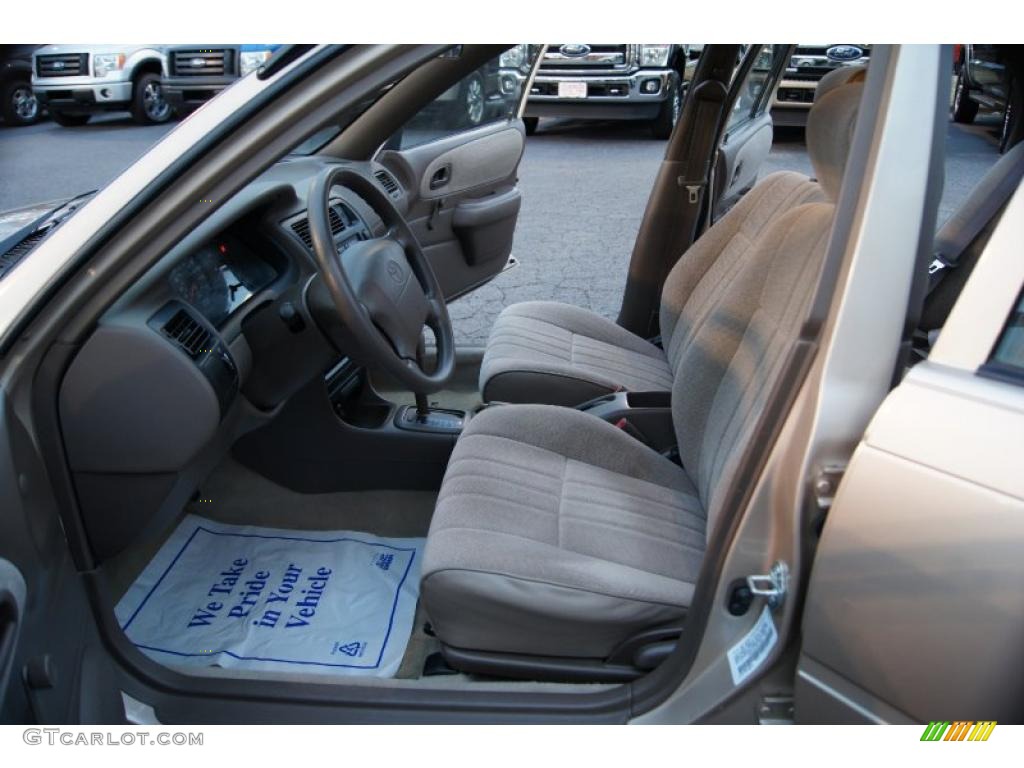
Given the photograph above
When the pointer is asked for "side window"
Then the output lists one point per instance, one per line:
(752, 99)
(488, 94)
(1008, 356)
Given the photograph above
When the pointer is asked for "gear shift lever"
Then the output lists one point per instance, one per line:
(422, 407)
(422, 403)
(426, 419)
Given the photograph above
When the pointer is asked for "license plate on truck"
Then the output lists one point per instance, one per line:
(570, 89)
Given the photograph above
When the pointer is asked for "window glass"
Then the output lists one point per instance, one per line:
(1009, 351)
(486, 95)
(749, 101)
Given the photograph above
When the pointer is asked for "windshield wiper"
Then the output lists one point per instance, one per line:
(23, 241)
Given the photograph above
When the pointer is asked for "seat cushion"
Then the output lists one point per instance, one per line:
(546, 352)
(559, 535)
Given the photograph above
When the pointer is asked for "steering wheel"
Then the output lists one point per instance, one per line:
(384, 289)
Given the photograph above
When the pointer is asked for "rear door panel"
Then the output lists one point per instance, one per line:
(915, 608)
(915, 596)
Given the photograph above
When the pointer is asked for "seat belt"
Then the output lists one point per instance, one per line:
(984, 202)
(672, 219)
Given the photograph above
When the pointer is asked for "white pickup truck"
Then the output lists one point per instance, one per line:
(76, 81)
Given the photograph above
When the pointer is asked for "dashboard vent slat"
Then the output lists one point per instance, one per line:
(388, 182)
(341, 218)
(185, 331)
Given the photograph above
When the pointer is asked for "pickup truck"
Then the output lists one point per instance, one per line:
(196, 73)
(76, 81)
(808, 64)
(984, 81)
(612, 82)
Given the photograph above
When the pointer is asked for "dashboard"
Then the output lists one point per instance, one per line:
(220, 278)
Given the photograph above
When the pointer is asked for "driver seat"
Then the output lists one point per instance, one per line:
(549, 352)
(557, 538)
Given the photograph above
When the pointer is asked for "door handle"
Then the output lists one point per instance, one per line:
(441, 176)
(736, 172)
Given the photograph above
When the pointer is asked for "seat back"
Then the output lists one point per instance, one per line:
(724, 247)
(735, 302)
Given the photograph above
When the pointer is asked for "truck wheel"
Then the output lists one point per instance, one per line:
(474, 99)
(531, 125)
(965, 109)
(69, 120)
(668, 115)
(149, 107)
(20, 106)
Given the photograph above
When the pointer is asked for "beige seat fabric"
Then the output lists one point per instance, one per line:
(556, 534)
(547, 352)
(550, 519)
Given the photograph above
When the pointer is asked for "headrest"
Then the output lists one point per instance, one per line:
(838, 77)
(829, 134)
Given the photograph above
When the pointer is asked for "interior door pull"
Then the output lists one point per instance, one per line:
(441, 176)
(736, 172)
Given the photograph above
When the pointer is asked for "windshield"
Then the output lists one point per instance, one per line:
(325, 135)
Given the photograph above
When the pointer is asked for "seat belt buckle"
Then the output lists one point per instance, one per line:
(693, 189)
(626, 426)
(939, 262)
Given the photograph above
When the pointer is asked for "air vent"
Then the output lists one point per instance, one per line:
(12, 257)
(185, 331)
(341, 219)
(388, 182)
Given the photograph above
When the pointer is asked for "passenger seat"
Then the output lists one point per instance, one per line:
(558, 354)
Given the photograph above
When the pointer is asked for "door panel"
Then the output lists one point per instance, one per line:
(463, 201)
(458, 162)
(54, 669)
(739, 162)
(747, 139)
(472, 163)
(915, 596)
(915, 608)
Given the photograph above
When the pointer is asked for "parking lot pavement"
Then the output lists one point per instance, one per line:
(47, 162)
(585, 186)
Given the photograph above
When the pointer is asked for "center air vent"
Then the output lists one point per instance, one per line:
(185, 331)
(388, 182)
(341, 219)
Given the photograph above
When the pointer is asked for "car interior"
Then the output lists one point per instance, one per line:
(291, 364)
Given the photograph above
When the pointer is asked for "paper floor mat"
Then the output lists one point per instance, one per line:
(332, 602)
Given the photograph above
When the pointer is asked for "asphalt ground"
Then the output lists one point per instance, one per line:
(584, 184)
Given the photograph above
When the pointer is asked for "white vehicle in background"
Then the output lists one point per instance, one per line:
(76, 81)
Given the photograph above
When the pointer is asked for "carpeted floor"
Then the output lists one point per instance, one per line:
(235, 494)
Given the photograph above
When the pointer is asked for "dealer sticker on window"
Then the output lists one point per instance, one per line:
(750, 652)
